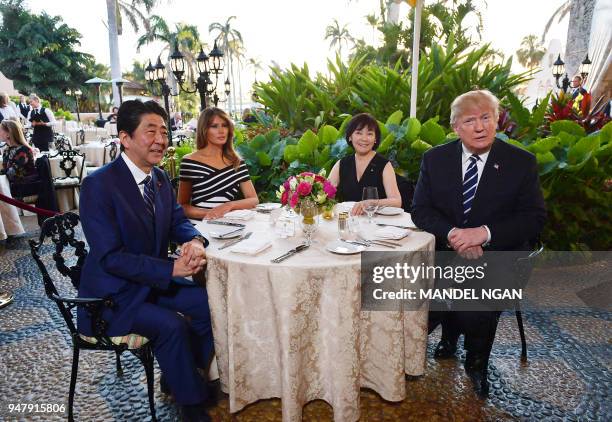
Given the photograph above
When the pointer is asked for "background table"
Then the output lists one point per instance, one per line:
(295, 330)
(10, 224)
(94, 153)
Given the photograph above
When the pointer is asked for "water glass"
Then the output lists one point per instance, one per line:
(370, 199)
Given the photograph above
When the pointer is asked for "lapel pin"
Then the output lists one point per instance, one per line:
(496, 166)
(159, 184)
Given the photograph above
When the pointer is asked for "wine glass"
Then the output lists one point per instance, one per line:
(309, 211)
(370, 199)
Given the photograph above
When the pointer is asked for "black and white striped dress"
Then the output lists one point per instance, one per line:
(211, 186)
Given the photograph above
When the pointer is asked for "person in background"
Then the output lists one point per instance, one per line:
(24, 107)
(113, 116)
(129, 215)
(212, 176)
(18, 158)
(365, 167)
(41, 119)
(7, 111)
(176, 122)
(248, 116)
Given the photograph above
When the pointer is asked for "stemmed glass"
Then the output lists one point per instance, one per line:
(309, 211)
(370, 199)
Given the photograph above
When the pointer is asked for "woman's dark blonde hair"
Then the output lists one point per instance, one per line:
(204, 122)
(15, 131)
(4, 100)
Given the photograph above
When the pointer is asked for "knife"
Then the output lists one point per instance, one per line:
(393, 225)
(290, 253)
(233, 242)
(225, 223)
(225, 235)
(355, 242)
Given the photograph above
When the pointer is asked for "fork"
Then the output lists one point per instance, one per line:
(384, 243)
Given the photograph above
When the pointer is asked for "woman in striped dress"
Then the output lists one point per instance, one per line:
(211, 176)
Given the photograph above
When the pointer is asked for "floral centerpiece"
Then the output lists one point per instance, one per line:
(307, 187)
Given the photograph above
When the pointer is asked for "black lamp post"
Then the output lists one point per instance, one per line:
(77, 93)
(158, 73)
(559, 69)
(119, 82)
(207, 66)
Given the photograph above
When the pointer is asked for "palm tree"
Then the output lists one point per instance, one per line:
(560, 13)
(115, 10)
(531, 53)
(228, 40)
(373, 22)
(338, 35)
(255, 64)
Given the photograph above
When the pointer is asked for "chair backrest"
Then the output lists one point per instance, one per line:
(524, 265)
(69, 255)
(111, 150)
(71, 163)
(180, 139)
(406, 188)
(62, 142)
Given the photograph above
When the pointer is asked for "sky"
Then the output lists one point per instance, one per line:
(288, 31)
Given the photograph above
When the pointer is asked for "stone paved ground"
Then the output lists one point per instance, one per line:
(567, 376)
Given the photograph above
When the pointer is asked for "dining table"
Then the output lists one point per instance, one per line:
(296, 330)
(10, 223)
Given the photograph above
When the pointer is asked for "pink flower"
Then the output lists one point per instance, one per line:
(294, 200)
(304, 188)
(306, 173)
(285, 197)
(329, 189)
(319, 178)
(286, 184)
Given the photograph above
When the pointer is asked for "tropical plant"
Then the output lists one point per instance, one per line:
(116, 10)
(531, 52)
(229, 40)
(39, 53)
(338, 35)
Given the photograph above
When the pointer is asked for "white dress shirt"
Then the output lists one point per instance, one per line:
(48, 112)
(138, 174)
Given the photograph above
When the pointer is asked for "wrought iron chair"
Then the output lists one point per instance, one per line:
(69, 255)
(180, 140)
(61, 142)
(523, 269)
(72, 164)
(111, 149)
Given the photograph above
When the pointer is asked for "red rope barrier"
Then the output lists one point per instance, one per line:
(27, 207)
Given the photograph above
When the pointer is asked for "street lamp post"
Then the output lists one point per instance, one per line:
(207, 66)
(158, 73)
(77, 93)
(96, 83)
(559, 69)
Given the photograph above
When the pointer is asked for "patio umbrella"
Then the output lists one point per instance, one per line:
(119, 82)
(97, 82)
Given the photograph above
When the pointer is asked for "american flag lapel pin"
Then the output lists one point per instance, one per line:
(159, 185)
(496, 166)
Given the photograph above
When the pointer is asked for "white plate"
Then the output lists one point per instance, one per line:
(220, 234)
(390, 211)
(268, 206)
(345, 206)
(343, 248)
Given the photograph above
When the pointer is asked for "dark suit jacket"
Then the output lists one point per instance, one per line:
(127, 257)
(508, 198)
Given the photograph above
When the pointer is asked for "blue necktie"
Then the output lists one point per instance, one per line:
(149, 197)
(470, 180)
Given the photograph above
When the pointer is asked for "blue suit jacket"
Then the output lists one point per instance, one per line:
(508, 198)
(127, 256)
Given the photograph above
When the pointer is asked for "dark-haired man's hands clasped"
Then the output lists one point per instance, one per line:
(468, 242)
(191, 261)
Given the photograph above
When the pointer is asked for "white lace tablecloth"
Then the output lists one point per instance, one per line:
(91, 134)
(295, 330)
(94, 153)
(10, 224)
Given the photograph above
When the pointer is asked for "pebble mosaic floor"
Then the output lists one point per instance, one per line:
(567, 376)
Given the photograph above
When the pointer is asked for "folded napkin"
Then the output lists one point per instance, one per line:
(223, 230)
(394, 233)
(240, 214)
(252, 245)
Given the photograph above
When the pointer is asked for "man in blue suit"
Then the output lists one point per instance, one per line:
(129, 214)
(477, 194)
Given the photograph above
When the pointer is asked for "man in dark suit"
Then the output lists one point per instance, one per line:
(474, 194)
(129, 214)
(24, 107)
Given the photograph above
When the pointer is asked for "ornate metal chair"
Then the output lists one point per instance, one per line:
(69, 255)
(111, 149)
(180, 140)
(61, 142)
(72, 164)
(523, 269)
